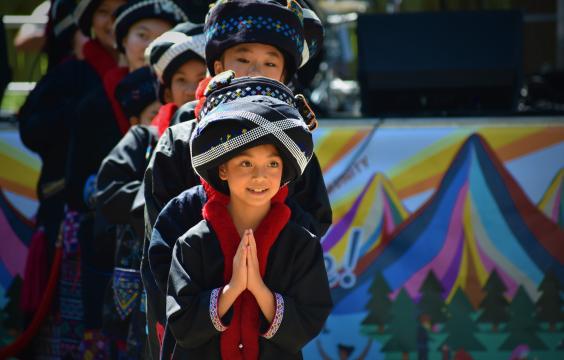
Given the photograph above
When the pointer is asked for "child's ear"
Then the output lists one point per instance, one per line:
(134, 120)
(217, 67)
(167, 95)
(223, 172)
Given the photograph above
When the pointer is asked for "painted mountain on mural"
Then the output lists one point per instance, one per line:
(478, 220)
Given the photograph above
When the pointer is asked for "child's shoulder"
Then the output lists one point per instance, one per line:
(196, 233)
(191, 197)
(299, 235)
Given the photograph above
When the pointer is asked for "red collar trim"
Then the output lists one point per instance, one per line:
(111, 81)
(162, 120)
(98, 57)
(245, 323)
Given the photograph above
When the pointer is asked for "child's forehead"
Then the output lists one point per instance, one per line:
(256, 48)
(260, 150)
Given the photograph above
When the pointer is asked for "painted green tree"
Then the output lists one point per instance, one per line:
(522, 326)
(14, 316)
(549, 304)
(379, 304)
(494, 305)
(431, 302)
(403, 326)
(459, 325)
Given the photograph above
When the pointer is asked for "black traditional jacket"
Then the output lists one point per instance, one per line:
(295, 271)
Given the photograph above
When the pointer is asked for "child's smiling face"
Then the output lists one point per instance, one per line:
(253, 176)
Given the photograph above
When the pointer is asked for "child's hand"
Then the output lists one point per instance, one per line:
(238, 280)
(254, 280)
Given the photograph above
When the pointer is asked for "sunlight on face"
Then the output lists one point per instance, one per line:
(185, 81)
(138, 37)
(103, 22)
(252, 59)
(253, 176)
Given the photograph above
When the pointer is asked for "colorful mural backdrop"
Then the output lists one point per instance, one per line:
(446, 240)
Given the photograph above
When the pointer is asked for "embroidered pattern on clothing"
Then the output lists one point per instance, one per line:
(264, 127)
(216, 321)
(259, 23)
(244, 92)
(71, 224)
(127, 290)
(278, 315)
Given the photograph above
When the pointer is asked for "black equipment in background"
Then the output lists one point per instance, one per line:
(440, 63)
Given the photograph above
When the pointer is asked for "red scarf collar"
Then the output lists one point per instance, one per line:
(245, 323)
(111, 81)
(98, 57)
(162, 120)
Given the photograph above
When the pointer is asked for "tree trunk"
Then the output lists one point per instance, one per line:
(405, 356)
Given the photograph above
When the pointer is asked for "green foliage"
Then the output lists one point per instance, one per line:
(460, 326)
(14, 318)
(12, 101)
(431, 302)
(403, 325)
(549, 304)
(522, 326)
(494, 304)
(379, 304)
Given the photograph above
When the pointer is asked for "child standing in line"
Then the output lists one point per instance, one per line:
(124, 310)
(101, 124)
(176, 58)
(247, 282)
(46, 122)
(254, 49)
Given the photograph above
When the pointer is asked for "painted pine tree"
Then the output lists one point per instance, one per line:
(379, 304)
(431, 302)
(459, 325)
(522, 326)
(494, 305)
(549, 304)
(403, 326)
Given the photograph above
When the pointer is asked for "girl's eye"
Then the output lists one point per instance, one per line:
(274, 164)
(246, 163)
(271, 64)
(243, 60)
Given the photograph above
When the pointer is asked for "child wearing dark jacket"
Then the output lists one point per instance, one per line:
(47, 120)
(255, 49)
(101, 124)
(176, 58)
(247, 282)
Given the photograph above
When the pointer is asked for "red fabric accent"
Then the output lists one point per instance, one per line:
(200, 95)
(98, 57)
(162, 120)
(36, 273)
(25, 338)
(160, 333)
(245, 322)
(111, 81)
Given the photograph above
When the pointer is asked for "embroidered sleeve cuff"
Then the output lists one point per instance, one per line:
(278, 315)
(214, 315)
